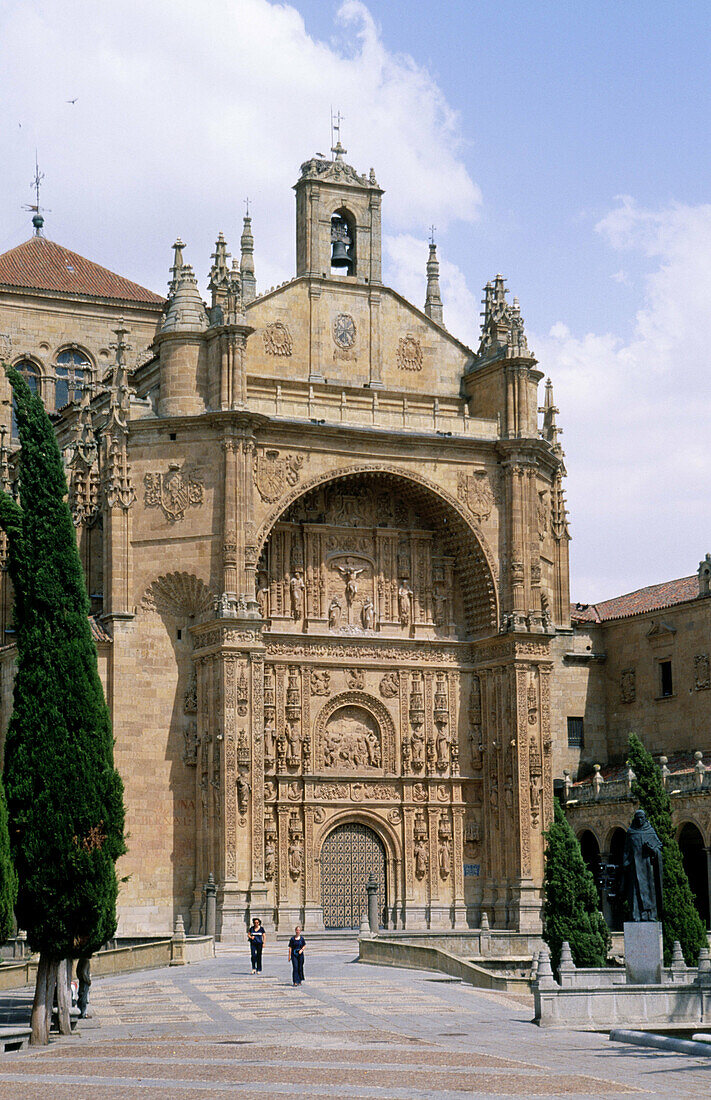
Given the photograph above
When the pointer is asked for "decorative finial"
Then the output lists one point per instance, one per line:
(249, 282)
(336, 147)
(432, 233)
(433, 299)
(177, 267)
(246, 206)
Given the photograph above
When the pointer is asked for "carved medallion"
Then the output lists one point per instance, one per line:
(174, 491)
(702, 672)
(273, 472)
(277, 339)
(344, 330)
(389, 685)
(476, 491)
(320, 682)
(409, 353)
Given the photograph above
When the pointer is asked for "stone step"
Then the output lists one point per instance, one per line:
(14, 1038)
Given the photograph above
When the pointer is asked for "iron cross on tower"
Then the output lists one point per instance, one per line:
(336, 121)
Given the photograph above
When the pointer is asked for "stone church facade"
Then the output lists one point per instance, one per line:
(327, 550)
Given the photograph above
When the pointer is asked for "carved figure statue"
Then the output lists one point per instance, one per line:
(367, 614)
(445, 858)
(418, 748)
(439, 600)
(546, 610)
(243, 789)
(296, 588)
(263, 596)
(350, 575)
(442, 745)
(292, 736)
(296, 858)
(642, 869)
(269, 741)
(334, 613)
(269, 859)
(422, 858)
(404, 603)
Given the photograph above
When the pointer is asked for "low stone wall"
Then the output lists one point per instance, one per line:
(388, 951)
(659, 1006)
(117, 960)
(482, 942)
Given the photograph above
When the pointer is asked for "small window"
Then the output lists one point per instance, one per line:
(30, 373)
(72, 371)
(576, 733)
(665, 679)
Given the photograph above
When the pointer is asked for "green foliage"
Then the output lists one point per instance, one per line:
(64, 796)
(681, 917)
(8, 876)
(571, 909)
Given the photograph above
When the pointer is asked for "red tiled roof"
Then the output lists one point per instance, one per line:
(97, 631)
(653, 598)
(39, 264)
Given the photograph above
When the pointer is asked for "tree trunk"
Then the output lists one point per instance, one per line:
(44, 996)
(64, 999)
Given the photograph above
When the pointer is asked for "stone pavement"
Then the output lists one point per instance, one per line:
(212, 1030)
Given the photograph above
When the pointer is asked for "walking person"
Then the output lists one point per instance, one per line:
(296, 956)
(256, 936)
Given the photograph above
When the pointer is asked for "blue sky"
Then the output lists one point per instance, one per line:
(564, 144)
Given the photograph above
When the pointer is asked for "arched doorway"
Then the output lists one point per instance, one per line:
(693, 855)
(591, 852)
(349, 855)
(616, 891)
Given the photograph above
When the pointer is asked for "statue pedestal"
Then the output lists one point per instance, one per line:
(644, 952)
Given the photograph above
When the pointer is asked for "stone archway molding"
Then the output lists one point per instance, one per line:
(488, 560)
(378, 711)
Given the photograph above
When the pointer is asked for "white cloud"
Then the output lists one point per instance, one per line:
(636, 412)
(184, 108)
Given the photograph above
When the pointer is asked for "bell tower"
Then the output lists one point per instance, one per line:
(338, 221)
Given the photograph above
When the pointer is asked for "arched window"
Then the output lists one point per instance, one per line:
(343, 243)
(72, 371)
(30, 372)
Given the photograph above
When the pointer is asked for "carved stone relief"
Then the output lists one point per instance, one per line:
(273, 472)
(190, 751)
(352, 740)
(277, 339)
(320, 682)
(355, 679)
(389, 685)
(702, 672)
(628, 685)
(409, 353)
(477, 492)
(175, 491)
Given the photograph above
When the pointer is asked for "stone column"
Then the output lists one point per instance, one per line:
(231, 538)
(460, 909)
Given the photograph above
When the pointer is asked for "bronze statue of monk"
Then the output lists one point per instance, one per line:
(642, 869)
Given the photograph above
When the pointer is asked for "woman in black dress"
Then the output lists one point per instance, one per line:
(256, 936)
(296, 956)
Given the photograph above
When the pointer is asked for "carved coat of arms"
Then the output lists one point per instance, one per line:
(344, 330)
(409, 353)
(475, 490)
(277, 339)
(175, 491)
(273, 472)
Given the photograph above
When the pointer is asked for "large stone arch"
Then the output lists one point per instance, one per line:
(367, 703)
(468, 543)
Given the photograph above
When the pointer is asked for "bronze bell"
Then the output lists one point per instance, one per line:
(340, 256)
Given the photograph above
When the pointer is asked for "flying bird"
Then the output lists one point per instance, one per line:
(73, 100)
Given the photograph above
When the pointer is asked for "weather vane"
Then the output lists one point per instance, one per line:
(246, 206)
(38, 220)
(432, 234)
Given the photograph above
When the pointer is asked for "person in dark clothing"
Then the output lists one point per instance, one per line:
(256, 936)
(296, 956)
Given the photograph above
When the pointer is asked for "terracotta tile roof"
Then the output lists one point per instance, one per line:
(39, 264)
(653, 598)
(98, 632)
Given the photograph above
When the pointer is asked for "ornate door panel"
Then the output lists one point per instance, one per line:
(350, 854)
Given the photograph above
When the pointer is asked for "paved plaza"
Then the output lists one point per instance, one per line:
(214, 1029)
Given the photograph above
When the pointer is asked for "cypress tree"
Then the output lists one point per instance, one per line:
(64, 796)
(8, 875)
(571, 908)
(681, 919)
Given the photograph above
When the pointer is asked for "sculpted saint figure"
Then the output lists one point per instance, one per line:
(445, 858)
(263, 596)
(418, 747)
(642, 869)
(367, 614)
(296, 587)
(269, 859)
(334, 614)
(404, 602)
(421, 858)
